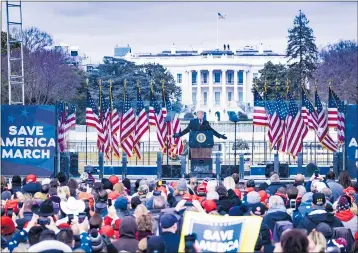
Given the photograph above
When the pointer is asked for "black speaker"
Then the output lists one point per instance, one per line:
(171, 171)
(74, 164)
(283, 170)
(269, 168)
(228, 170)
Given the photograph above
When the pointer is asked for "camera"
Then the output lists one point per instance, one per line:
(189, 243)
(293, 203)
(109, 202)
(10, 211)
(70, 218)
(81, 217)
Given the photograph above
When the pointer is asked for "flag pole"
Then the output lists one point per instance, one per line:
(280, 96)
(167, 125)
(265, 152)
(315, 137)
(110, 100)
(287, 89)
(86, 124)
(151, 90)
(100, 155)
(252, 140)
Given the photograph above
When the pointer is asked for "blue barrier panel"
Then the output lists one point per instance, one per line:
(259, 170)
(28, 140)
(141, 170)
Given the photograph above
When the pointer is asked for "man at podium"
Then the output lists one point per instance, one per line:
(199, 124)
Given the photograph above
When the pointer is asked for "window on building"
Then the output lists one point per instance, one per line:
(205, 77)
(241, 96)
(240, 77)
(205, 98)
(217, 98)
(179, 78)
(194, 97)
(193, 77)
(229, 77)
(217, 77)
(229, 98)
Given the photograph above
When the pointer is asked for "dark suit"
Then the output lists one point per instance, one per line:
(194, 125)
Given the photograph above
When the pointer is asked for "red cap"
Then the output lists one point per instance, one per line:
(12, 203)
(7, 225)
(162, 189)
(107, 230)
(264, 196)
(113, 179)
(64, 225)
(238, 193)
(117, 223)
(209, 205)
(31, 178)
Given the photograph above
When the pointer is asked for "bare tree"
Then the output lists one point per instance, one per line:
(35, 39)
(339, 63)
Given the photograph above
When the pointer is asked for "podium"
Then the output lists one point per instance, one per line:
(201, 145)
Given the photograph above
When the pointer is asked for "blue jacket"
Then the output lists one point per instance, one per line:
(171, 241)
(336, 188)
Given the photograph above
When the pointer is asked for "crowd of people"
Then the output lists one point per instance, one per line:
(112, 215)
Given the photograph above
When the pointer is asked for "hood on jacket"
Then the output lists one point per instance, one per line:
(50, 246)
(321, 217)
(128, 227)
(279, 216)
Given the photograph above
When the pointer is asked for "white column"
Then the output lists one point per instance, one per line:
(198, 92)
(236, 96)
(244, 87)
(188, 96)
(223, 103)
(211, 92)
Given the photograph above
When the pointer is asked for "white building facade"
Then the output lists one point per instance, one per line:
(213, 80)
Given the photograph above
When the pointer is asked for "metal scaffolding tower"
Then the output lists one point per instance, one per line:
(15, 53)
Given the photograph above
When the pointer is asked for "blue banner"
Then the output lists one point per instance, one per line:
(352, 139)
(28, 139)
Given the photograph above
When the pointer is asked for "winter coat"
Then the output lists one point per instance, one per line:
(349, 220)
(272, 188)
(311, 220)
(171, 241)
(271, 218)
(336, 188)
(31, 188)
(127, 235)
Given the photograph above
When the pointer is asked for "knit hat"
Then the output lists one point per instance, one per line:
(46, 181)
(108, 185)
(127, 183)
(250, 183)
(209, 205)
(168, 220)
(221, 190)
(7, 225)
(212, 195)
(113, 179)
(253, 197)
(318, 199)
(258, 209)
(143, 191)
(6, 195)
(135, 201)
(96, 239)
(182, 186)
(343, 203)
(121, 203)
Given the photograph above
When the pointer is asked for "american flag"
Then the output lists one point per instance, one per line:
(61, 125)
(160, 122)
(275, 123)
(142, 125)
(153, 104)
(105, 120)
(71, 118)
(260, 115)
(282, 114)
(169, 140)
(309, 114)
(337, 106)
(92, 117)
(127, 126)
(332, 110)
(296, 129)
(322, 131)
(176, 147)
(115, 123)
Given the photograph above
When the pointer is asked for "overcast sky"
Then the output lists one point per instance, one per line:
(152, 27)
